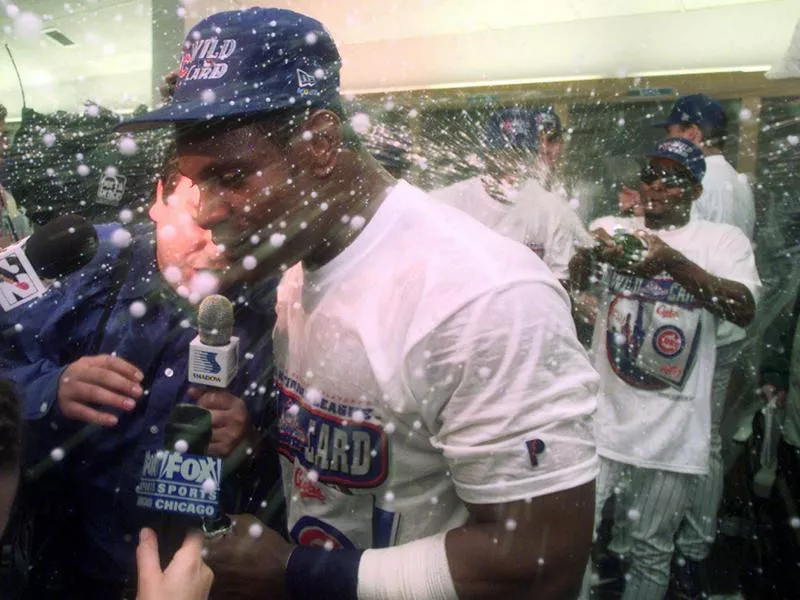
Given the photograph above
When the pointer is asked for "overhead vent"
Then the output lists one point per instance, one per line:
(58, 37)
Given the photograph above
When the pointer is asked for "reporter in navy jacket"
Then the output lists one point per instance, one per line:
(98, 375)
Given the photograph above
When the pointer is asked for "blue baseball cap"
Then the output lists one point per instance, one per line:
(683, 152)
(697, 109)
(520, 127)
(249, 61)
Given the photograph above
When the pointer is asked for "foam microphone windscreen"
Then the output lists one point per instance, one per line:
(61, 246)
(215, 320)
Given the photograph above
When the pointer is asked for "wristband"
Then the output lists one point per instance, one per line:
(319, 574)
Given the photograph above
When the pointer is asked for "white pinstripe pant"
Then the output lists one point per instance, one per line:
(651, 506)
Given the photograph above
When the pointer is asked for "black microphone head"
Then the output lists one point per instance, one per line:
(215, 320)
(191, 424)
(61, 246)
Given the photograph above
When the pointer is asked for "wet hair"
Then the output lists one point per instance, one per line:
(279, 126)
(10, 428)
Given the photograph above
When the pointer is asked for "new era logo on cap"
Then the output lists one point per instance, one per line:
(305, 80)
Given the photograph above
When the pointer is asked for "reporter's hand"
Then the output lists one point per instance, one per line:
(186, 577)
(770, 391)
(93, 382)
(249, 562)
(230, 422)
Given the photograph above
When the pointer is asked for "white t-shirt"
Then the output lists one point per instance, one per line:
(471, 196)
(726, 198)
(655, 350)
(431, 363)
(545, 223)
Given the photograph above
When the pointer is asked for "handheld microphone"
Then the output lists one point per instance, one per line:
(214, 353)
(53, 251)
(181, 484)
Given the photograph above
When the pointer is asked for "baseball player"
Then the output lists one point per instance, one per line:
(435, 428)
(527, 212)
(655, 347)
(510, 143)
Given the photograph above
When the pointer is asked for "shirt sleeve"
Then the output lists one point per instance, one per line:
(508, 392)
(735, 261)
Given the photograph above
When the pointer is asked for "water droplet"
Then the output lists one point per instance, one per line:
(57, 454)
(137, 309)
(511, 525)
(126, 214)
(121, 238)
(209, 486)
(127, 146)
(389, 496)
(360, 123)
(311, 38)
(255, 531)
(276, 240)
(169, 372)
(181, 446)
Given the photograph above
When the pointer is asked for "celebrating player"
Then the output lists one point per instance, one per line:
(435, 427)
(655, 345)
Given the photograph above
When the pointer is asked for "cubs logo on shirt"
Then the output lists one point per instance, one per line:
(652, 331)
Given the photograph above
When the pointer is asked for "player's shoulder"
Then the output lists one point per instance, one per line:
(455, 190)
(457, 246)
(714, 233)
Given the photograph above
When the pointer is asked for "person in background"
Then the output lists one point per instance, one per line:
(513, 196)
(780, 383)
(727, 197)
(657, 423)
(387, 348)
(508, 150)
(103, 359)
(10, 450)
(13, 223)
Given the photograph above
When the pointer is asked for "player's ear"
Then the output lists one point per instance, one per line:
(697, 191)
(321, 139)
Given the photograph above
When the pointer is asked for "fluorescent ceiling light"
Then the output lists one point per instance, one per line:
(702, 71)
(474, 84)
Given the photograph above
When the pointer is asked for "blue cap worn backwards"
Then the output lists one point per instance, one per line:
(683, 152)
(249, 61)
(697, 109)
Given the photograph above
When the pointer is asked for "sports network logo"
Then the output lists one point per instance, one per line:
(111, 189)
(207, 363)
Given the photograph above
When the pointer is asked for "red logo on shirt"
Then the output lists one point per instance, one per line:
(668, 341)
(666, 311)
(308, 490)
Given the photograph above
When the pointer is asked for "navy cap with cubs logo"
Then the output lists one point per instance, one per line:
(249, 61)
(683, 152)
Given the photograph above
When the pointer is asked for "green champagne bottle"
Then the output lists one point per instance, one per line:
(634, 250)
